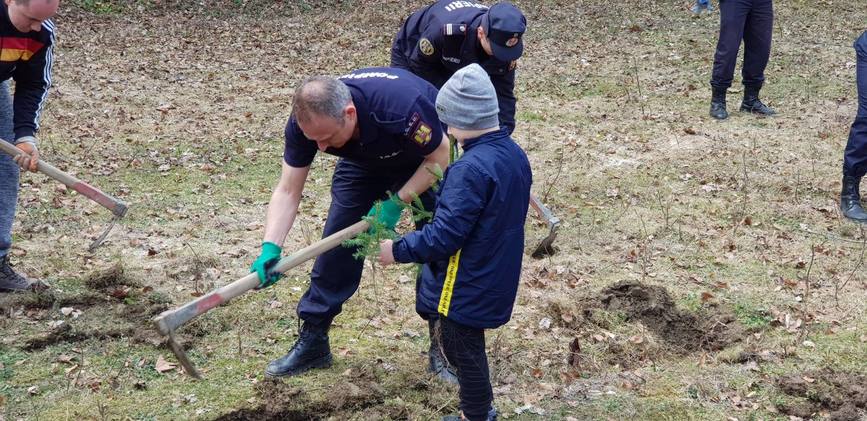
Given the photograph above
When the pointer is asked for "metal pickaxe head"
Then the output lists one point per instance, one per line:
(178, 350)
(546, 247)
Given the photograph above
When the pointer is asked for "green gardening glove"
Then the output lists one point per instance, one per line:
(265, 262)
(387, 212)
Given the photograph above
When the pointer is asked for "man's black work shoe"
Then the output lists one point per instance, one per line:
(850, 199)
(718, 104)
(438, 364)
(310, 351)
(492, 416)
(752, 104)
(12, 281)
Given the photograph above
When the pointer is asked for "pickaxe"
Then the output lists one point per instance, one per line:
(170, 320)
(116, 206)
(546, 247)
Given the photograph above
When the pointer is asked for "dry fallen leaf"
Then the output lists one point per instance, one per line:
(706, 296)
(162, 365)
(537, 373)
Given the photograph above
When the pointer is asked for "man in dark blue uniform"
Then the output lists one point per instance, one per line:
(26, 45)
(382, 123)
(439, 39)
(751, 21)
(855, 156)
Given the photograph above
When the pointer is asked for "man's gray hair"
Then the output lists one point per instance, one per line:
(320, 96)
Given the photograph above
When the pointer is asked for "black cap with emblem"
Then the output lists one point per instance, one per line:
(504, 26)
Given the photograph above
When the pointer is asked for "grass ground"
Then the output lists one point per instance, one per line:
(703, 271)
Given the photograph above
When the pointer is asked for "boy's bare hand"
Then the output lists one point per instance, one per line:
(385, 255)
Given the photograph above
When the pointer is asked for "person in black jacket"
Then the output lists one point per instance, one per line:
(855, 156)
(26, 44)
(439, 39)
(473, 249)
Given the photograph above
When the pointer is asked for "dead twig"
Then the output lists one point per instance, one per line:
(838, 286)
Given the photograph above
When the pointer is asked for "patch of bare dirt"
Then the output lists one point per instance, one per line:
(652, 306)
(664, 327)
(66, 333)
(843, 394)
(110, 277)
(280, 401)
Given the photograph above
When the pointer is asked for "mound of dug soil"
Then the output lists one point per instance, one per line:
(844, 394)
(652, 306)
(284, 402)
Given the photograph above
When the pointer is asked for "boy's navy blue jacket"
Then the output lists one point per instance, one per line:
(474, 245)
(440, 39)
(397, 121)
(26, 58)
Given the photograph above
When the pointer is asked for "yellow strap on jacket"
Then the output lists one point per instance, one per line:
(449, 284)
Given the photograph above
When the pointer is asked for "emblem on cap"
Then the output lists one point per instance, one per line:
(512, 41)
(425, 46)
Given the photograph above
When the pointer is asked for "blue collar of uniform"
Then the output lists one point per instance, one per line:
(485, 138)
(366, 131)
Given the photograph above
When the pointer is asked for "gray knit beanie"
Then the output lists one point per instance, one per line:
(468, 101)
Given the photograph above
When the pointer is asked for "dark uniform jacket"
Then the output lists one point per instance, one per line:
(397, 121)
(439, 39)
(26, 58)
(474, 245)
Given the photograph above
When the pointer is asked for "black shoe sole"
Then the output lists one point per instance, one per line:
(322, 362)
(750, 110)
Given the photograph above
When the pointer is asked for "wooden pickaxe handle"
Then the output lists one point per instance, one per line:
(116, 206)
(170, 320)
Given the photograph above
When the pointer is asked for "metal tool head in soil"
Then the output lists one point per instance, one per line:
(169, 321)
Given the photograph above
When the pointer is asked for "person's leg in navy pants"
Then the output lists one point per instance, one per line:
(855, 156)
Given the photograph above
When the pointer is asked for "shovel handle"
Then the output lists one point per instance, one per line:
(116, 206)
(170, 320)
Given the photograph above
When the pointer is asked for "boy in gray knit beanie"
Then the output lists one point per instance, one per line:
(468, 100)
(473, 248)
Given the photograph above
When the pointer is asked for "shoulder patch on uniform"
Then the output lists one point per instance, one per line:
(426, 46)
(419, 131)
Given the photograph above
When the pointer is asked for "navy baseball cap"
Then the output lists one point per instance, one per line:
(504, 26)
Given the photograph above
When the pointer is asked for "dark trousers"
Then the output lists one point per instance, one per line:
(750, 21)
(464, 348)
(855, 157)
(336, 273)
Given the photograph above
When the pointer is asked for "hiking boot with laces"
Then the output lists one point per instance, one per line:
(11, 281)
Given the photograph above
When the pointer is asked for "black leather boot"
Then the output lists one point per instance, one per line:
(752, 104)
(850, 199)
(310, 351)
(718, 104)
(438, 363)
